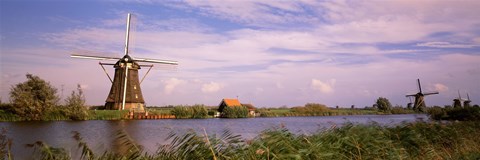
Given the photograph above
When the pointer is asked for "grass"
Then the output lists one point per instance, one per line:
(159, 111)
(421, 140)
(288, 112)
(106, 114)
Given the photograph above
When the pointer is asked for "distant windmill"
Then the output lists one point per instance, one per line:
(466, 103)
(419, 97)
(409, 105)
(125, 93)
(457, 102)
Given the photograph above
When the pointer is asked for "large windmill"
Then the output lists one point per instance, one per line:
(419, 97)
(125, 93)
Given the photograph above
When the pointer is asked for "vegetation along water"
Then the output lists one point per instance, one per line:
(456, 138)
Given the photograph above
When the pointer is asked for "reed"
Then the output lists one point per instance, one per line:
(196, 112)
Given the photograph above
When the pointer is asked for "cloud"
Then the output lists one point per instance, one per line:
(446, 45)
(324, 87)
(440, 87)
(85, 86)
(211, 87)
(171, 84)
(256, 13)
(348, 40)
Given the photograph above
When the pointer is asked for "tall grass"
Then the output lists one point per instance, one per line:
(196, 112)
(457, 140)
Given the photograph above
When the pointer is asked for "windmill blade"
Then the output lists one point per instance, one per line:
(410, 95)
(93, 57)
(419, 86)
(430, 93)
(148, 60)
(127, 34)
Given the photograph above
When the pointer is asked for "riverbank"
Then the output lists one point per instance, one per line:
(165, 114)
(413, 140)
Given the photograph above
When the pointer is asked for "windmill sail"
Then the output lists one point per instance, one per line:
(93, 57)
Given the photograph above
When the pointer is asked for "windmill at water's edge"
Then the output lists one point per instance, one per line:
(125, 92)
(419, 97)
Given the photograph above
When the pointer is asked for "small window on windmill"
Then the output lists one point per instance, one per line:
(134, 86)
(136, 96)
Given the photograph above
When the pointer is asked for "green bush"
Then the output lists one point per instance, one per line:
(33, 98)
(235, 112)
(383, 104)
(75, 105)
(455, 113)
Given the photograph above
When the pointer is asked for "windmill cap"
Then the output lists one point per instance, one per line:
(126, 58)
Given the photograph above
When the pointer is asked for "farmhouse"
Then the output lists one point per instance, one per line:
(235, 103)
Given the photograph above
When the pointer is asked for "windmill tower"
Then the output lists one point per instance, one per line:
(125, 93)
(419, 97)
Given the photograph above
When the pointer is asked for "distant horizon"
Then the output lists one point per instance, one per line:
(268, 53)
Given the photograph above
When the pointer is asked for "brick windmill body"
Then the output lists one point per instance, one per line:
(125, 92)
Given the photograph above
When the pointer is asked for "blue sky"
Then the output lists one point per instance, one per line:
(268, 53)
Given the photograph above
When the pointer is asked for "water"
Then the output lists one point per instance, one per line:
(99, 135)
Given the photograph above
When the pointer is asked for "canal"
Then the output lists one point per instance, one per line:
(100, 135)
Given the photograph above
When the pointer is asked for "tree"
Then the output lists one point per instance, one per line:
(33, 98)
(75, 104)
(383, 104)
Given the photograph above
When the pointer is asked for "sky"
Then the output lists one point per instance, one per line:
(268, 53)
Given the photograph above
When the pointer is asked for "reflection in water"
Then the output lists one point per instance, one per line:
(100, 135)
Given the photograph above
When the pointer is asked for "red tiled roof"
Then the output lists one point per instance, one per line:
(232, 102)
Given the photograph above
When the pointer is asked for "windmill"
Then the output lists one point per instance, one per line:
(457, 102)
(466, 103)
(125, 92)
(419, 97)
(409, 105)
